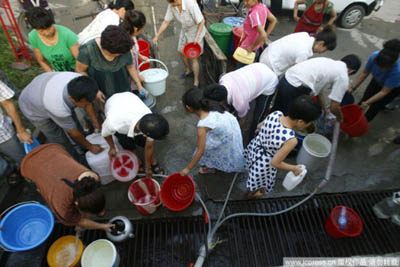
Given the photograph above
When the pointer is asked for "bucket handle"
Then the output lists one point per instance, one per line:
(5, 212)
(154, 60)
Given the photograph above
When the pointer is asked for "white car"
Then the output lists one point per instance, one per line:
(350, 12)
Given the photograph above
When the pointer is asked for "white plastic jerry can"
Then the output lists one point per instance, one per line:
(291, 180)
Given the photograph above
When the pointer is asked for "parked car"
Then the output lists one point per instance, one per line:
(350, 12)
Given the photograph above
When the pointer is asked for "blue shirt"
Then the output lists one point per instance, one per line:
(389, 78)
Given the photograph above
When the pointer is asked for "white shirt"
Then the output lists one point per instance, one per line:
(246, 84)
(123, 111)
(288, 51)
(97, 26)
(190, 17)
(320, 73)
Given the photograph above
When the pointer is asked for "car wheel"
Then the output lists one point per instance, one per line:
(242, 10)
(352, 16)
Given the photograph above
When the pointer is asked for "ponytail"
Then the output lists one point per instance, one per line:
(194, 98)
(86, 194)
(133, 19)
(216, 92)
(389, 55)
(328, 36)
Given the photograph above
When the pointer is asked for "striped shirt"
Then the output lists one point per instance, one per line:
(6, 128)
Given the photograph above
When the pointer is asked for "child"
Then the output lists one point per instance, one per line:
(274, 141)
(219, 137)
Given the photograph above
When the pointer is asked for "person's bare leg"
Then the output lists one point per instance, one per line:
(196, 71)
(186, 63)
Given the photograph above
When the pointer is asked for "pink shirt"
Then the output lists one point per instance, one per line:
(257, 16)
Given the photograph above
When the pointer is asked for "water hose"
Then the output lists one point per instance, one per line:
(202, 253)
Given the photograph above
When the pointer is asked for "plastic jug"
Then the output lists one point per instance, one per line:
(100, 163)
(388, 207)
(291, 180)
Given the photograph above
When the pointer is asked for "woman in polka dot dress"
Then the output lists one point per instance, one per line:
(274, 141)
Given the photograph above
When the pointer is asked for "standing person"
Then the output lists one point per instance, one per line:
(238, 88)
(268, 150)
(113, 15)
(314, 76)
(134, 23)
(132, 121)
(219, 139)
(188, 13)
(384, 65)
(108, 61)
(254, 34)
(297, 47)
(54, 46)
(48, 102)
(11, 139)
(313, 17)
(70, 189)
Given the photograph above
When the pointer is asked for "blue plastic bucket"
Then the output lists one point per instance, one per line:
(26, 226)
(29, 147)
(234, 22)
(301, 135)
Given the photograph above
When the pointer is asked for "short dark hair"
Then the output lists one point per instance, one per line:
(83, 87)
(389, 55)
(328, 36)
(305, 108)
(86, 194)
(216, 92)
(116, 40)
(127, 4)
(133, 18)
(154, 126)
(40, 18)
(352, 62)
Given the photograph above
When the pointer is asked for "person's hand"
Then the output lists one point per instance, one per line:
(364, 106)
(297, 170)
(108, 227)
(144, 58)
(196, 40)
(149, 173)
(350, 90)
(319, 30)
(249, 50)
(95, 149)
(185, 172)
(78, 230)
(259, 127)
(100, 97)
(25, 136)
(112, 153)
(141, 88)
(155, 40)
(296, 18)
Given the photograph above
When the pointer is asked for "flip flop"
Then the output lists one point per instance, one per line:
(185, 75)
(156, 169)
(258, 194)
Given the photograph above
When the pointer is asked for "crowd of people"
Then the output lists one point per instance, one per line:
(95, 73)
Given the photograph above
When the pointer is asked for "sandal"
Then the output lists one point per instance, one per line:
(14, 179)
(156, 169)
(257, 194)
(205, 170)
(185, 75)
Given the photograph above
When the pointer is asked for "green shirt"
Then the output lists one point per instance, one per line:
(328, 6)
(111, 76)
(59, 56)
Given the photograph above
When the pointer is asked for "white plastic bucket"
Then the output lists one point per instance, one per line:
(155, 78)
(100, 253)
(314, 149)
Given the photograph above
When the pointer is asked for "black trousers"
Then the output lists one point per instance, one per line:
(130, 143)
(260, 111)
(373, 88)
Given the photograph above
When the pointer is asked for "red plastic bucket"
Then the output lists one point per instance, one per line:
(145, 195)
(354, 122)
(177, 192)
(354, 226)
(191, 50)
(144, 50)
(237, 33)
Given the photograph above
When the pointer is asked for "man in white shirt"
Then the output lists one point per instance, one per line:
(129, 118)
(313, 76)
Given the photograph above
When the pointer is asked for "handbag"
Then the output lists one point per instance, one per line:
(243, 56)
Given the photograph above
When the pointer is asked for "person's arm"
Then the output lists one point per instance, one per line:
(112, 152)
(272, 22)
(378, 96)
(201, 146)
(80, 139)
(296, 9)
(163, 27)
(278, 159)
(92, 225)
(359, 80)
(92, 115)
(75, 50)
(148, 156)
(11, 110)
(199, 30)
(262, 35)
(42, 61)
(336, 110)
(333, 17)
(135, 76)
